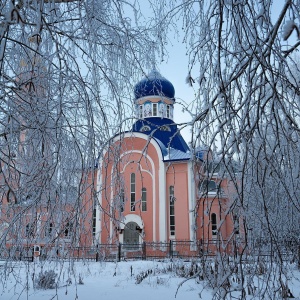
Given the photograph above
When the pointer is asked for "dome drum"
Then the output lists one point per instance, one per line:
(154, 109)
(154, 97)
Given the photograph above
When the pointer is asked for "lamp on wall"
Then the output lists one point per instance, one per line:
(120, 230)
(139, 229)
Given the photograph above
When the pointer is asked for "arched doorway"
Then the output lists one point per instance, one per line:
(131, 234)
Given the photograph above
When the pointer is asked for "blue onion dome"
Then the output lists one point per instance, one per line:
(154, 85)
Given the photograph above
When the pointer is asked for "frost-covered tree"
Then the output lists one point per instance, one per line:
(65, 69)
(243, 67)
(66, 75)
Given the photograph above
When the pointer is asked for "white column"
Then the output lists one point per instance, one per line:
(162, 202)
(99, 204)
(191, 199)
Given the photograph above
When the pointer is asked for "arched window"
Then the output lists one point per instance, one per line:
(8, 196)
(68, 229)
(161, 109)
(236, 223)
(172, 210)
(132, 191)
(122, 200)
(147, 109)
(154, 109)
(141, 111)
(94, 218)
(144, 199)
(213, 224)
(168, 111)
(48, 230)
(29, 230)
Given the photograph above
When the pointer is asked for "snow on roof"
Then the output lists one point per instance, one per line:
(177, 155)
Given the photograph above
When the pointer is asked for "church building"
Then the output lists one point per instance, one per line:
(152, 186)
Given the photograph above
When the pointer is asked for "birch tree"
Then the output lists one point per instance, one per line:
(243, 68)
(66, 74)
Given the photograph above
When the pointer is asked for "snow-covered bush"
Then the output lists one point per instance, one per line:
(46, 280)
(186, 270)
(178, 268)
(80, 279)
(140, 277)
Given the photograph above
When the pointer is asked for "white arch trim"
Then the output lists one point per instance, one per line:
(142, 136)
(146, 157)
(132, 218)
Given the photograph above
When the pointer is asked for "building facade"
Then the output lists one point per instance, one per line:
(152, 186)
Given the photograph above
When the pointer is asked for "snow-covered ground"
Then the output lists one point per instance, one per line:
(102, 280)
(109, 281)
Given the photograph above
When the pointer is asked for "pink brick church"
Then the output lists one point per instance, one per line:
(152, 186)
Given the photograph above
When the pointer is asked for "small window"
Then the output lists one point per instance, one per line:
(213, 224)
(147, 110)
(154, 109)
(172, 210)
(141, 111)
(145, 128)
(236, 223)
(94, 219)
(161, 110)
(144, 199)
(68, 229)
(165, 128)
(49, 230)
(168, 111)
(29, 230)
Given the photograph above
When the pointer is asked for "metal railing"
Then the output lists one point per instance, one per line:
(146, 250)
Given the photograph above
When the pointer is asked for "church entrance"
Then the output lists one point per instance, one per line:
(131, 235)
